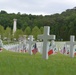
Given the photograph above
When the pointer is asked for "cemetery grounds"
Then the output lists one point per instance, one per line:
(13, 63)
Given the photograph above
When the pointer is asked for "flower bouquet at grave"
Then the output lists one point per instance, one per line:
(50, 52)
(52, 49)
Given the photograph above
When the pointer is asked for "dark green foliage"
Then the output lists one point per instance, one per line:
(35, 32)
(62, 25)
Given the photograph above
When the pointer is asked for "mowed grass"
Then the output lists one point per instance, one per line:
(12, 63)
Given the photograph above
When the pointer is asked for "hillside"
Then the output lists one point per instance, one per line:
(62, 25)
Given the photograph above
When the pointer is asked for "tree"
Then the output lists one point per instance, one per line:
(25, 25)
(8, 33)
(41, 29)
(35, 32)
(27, 31)
(1, 31)
(18, 33)
(3, 12)
(57, 22)
(71, 28)
(63, 33)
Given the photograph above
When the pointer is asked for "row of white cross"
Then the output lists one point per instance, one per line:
(13, 47)
(46, 37)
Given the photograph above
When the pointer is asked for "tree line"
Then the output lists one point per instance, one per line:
(62, 25)
(7, 34)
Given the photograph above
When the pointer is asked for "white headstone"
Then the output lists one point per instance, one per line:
(71, 43)
(30, 42)
(14, 25)
(40, 47)
(1, 44)
(53, 46)
(45, 38)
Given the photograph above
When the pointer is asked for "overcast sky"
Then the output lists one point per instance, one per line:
(37, 7)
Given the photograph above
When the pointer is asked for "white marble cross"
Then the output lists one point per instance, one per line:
(45, 38)
(71, 43)
(30, 42)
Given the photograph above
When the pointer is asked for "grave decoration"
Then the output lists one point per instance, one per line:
(53, 48)
(64, 49)
(35, 50)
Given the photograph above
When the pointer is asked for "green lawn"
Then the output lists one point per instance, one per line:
(24, 64)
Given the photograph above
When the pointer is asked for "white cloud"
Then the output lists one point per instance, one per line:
(36, 6)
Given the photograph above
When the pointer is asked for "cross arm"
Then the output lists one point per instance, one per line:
(68, 43)
(40, 36)
(52, 37)
(74, 43)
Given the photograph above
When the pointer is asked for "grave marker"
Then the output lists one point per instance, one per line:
(45, 38)
(30, 42)
(1, 44)
(71, 43)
